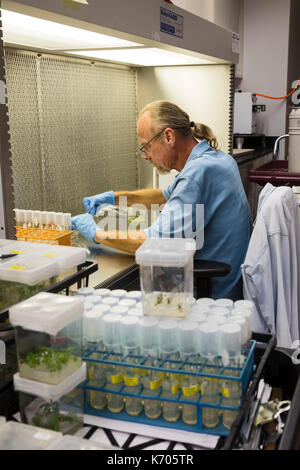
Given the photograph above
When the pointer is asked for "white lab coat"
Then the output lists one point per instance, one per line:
(271, 271)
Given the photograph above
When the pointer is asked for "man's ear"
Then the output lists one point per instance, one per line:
(170, 135)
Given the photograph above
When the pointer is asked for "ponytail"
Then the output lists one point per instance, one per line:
(201, 131)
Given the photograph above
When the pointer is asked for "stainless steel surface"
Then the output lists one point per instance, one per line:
(110, 261)
(276, 145)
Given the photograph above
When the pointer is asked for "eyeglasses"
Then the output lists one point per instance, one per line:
(142, 148)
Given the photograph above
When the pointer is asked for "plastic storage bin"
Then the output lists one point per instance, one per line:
(48, 336)
(19, 436)
(34, 268)
(55, 407)
(166, 276)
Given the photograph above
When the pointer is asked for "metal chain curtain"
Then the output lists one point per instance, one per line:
(73, 129)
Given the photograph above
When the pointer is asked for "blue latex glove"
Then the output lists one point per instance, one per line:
(93, 204)
(85, 225)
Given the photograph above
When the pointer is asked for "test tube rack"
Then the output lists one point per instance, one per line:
(242, 375)
(41, 235)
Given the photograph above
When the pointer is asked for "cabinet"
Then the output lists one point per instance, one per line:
(252, 190)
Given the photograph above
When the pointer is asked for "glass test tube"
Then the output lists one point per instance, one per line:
(189, 352)
(129, 336)
(151, 381)
(114, 373)
(169, 349)
(209, 343)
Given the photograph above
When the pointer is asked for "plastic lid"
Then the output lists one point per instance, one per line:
(93, 325)
(245, 304)
(50, 392)
(129, 333)
(65, 256)
(27, 269)
(231, 339)
(242, 321)
(102, 292)
(2, 420)
(187, 330)
(134, 294)
(226, 303)
(119, 309)
(127, 303)
(199, 309)
(19, 436)
(208, 340)
(47, 313)
(138, 312)
(166, 252)
(118, 293)
(168, 336)
(94, 299)
(86, 291)
(111, 329)
(205, 302)
(110, 301)
(148, 333)
(219, 311)
(197, 317)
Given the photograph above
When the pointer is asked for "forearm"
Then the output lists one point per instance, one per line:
(128, 241)
(147, 197)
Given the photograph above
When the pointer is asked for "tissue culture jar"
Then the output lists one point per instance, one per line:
(166, 275)
(12, 293)
(64, 415)
(166, 291)
(46, 358)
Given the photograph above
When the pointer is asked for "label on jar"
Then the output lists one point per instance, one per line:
(225, 392)
(155, 384)
(131, 381)
(49, 255)
(190, 391)
(116, 379)
(17, 268)
(175, 389)
(18, 252)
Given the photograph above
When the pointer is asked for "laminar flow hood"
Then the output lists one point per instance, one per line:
(135, 32)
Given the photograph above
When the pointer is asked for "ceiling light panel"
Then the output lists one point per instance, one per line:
(43, 34)
(143, 57)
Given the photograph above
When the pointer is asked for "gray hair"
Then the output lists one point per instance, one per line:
(165, 114)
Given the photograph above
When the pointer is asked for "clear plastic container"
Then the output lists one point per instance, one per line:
(166, 275)
(19, 436)
(34, 268)
(48, 336)
(55, 407)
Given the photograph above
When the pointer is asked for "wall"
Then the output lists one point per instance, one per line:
(225, 13)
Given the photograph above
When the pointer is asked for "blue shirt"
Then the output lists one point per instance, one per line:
(210, 178)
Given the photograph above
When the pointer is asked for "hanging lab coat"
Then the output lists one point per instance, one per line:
(271, 270)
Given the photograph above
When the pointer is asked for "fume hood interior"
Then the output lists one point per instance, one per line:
(77, 75)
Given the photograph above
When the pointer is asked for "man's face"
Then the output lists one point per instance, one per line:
(158, 151)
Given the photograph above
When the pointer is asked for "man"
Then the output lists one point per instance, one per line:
(207, 177)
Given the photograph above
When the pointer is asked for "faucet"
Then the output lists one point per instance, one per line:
(276, 145)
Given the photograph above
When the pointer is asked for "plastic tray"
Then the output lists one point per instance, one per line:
(274, 172)
(178, 368)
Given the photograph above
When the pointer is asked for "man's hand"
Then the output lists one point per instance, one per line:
(93, 204)
(85, 225)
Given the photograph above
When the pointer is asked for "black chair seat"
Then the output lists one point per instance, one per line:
(203, 272)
